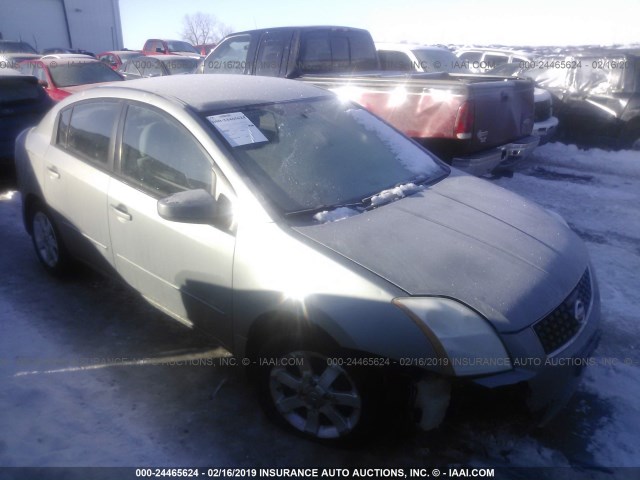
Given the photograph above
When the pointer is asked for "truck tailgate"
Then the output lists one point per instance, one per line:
(504, 112)
(426, 106)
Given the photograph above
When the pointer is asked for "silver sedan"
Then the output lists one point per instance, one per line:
(350, 269)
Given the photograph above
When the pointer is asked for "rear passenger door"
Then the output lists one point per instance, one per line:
(182, 268)
(77, 176)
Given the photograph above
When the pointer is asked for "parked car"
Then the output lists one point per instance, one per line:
(600, 101)
(596, 95)
(419, 58)
(309, 237)
(62, 77)
(13, 52)
(157, 66)
(464, 119)
(481, 60)
(22, 104)
(156, 46)
(116, 58)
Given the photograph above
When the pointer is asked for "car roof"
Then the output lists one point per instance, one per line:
(408, 46)
(205, 93)
(301, 28)
(119, 52)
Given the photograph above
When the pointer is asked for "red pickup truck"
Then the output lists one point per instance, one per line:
(472, 121)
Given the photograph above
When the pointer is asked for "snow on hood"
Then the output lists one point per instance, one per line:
(335, 215)
(395, 193)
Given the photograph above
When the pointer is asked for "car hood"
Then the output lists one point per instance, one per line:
(466, 239)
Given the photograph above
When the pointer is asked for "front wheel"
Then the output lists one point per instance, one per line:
(304, 389)
(47, 242)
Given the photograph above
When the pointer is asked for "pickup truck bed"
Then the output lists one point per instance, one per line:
(472, 121)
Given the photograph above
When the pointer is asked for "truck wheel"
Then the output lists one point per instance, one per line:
(304, 389)
(47, 242)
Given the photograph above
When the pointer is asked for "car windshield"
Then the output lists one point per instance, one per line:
(181, 47)
(432, 60)
(321, 153)
(16, 47)
(70, 74)
(177, 66)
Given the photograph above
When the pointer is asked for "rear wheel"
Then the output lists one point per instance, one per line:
(47, 241)
(305, 389)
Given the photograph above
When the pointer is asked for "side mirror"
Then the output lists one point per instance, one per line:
(43, 83)
(191, 206)
(159, 50)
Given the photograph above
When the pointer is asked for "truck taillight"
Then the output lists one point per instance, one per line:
(463, 128)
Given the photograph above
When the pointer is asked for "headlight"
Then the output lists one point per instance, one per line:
(459, 333)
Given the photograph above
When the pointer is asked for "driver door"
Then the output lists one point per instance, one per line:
(183, 269)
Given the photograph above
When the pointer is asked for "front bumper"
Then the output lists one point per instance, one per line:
(504, 156)
(549, 380)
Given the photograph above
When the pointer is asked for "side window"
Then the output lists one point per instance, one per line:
(362, 52)
(161, 155)
(271, 53)
(315, 52)
(229, 57)
(471, 56)
(91, 129)
(493, 60)
(395, 61)
(63, 128)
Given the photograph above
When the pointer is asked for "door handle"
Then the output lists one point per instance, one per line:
(121, 212)
(53, 172)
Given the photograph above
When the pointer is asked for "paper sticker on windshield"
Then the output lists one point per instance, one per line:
(237, 129)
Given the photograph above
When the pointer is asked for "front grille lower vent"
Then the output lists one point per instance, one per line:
(560, 326)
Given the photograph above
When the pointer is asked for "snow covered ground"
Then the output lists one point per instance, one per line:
(74, 391)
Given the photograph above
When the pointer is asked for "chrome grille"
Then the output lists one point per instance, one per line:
(560, 326)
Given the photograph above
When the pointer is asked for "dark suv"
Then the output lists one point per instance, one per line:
(22, 103)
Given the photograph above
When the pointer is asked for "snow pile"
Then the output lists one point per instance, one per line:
(336, 215)
(395, 193)
(623, 162)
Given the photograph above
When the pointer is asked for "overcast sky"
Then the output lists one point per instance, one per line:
(534, 22)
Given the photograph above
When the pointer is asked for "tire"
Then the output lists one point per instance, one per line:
(47, 242)
(302, 389)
